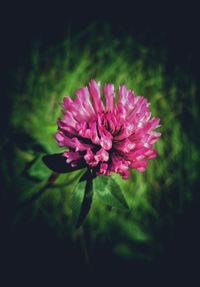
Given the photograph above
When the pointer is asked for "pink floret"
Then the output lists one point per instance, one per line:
(110, 137)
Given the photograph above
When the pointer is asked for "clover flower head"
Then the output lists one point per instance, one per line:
(107, 136)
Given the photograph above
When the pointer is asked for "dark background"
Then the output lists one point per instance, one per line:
(173, 26)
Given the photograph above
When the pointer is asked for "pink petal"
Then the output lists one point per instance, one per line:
(96, 96)
(105, 139)
(79, 146)
(126, 100)
(126, 131)
(65, 128)
(69, 119)
(120, 166)
(103, 168)
(89, 158)
(125, 145)
(110, 97)
(72, 156)
(67, 102)
(84, 99)
(60, 138)
(150, 154)
(140, 165)
(102, 155)
(94, 133)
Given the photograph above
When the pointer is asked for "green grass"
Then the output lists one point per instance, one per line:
(155, 197)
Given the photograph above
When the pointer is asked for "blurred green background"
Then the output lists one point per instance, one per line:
(159, 232)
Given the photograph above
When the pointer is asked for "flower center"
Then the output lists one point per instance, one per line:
(110, 122)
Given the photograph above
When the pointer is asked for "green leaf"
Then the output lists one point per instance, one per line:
(57, 163)
(37, 170)
(82, 199)
(109, 192)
